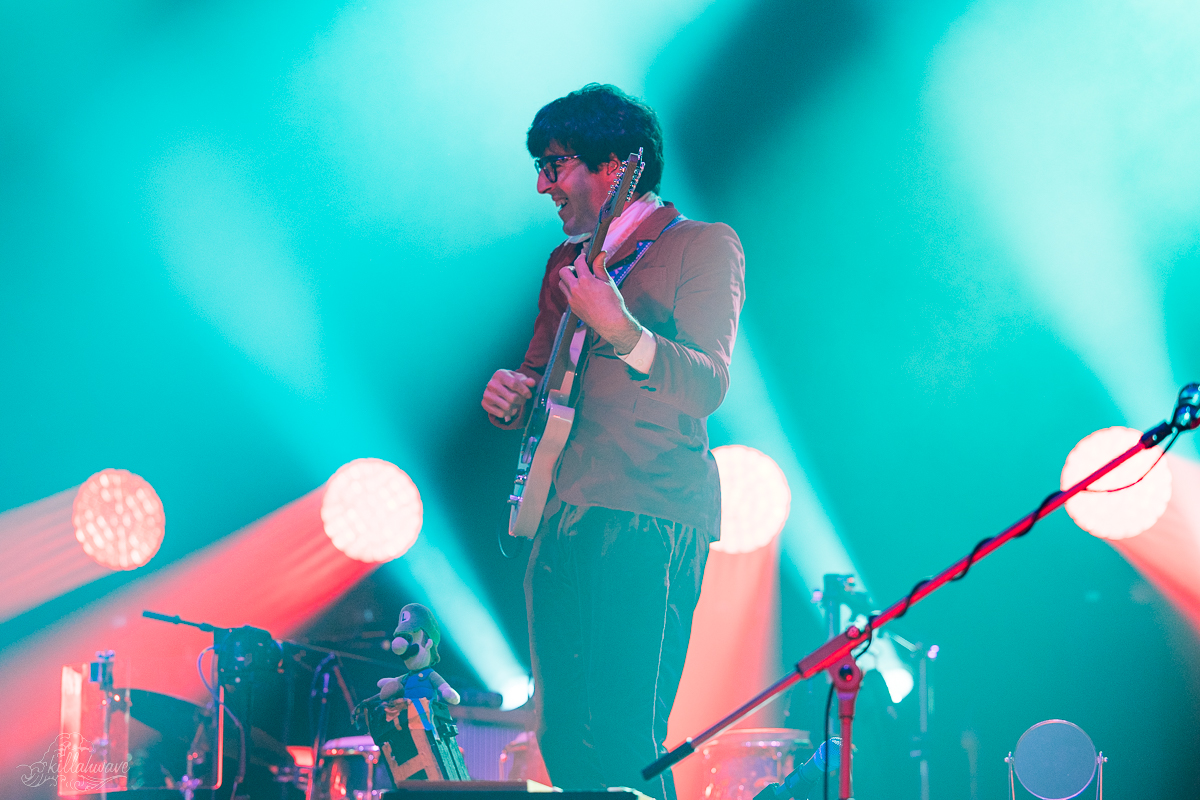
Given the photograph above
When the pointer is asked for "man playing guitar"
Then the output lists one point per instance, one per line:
(616, 565)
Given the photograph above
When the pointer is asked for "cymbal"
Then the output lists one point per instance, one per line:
(172, 717)
(177, 720)
(266, 749)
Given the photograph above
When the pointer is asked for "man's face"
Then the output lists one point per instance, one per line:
(578, 192)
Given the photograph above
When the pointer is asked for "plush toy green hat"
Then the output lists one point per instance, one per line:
(416, 617)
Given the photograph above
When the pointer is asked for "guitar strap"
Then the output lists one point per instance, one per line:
(618, 272)
(623, 267)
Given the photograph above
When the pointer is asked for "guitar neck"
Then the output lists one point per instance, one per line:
(598, 237)
(561, 355)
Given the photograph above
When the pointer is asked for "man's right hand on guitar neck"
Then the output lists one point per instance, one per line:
(506, 393)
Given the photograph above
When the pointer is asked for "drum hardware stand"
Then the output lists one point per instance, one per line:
(845, 676)
(241, 654)
(188, 785)
(835, 656)
(322, 722)
(100, 671)
(838, 590)
(1101, 759)
(922, 655)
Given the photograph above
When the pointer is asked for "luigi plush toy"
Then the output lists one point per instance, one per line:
(416, 640)
(408, 719)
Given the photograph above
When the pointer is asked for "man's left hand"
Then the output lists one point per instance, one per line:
(596, 300)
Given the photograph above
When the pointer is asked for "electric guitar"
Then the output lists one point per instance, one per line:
(553, 406)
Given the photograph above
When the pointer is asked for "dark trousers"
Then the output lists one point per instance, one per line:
(610, 596)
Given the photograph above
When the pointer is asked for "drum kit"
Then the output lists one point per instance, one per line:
(170, 735)
(172, 743)
(179, 745)
(240, 738)
(350, 769)
(1054, 759)
(741, 763)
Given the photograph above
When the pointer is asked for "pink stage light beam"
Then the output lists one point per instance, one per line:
(735, 642)
(114, 521)
(277, 574)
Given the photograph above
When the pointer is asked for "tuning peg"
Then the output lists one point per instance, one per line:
(637, 175)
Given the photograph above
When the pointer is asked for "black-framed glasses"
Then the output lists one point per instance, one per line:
(548, 165)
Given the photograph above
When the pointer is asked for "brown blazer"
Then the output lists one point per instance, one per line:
(640, 442)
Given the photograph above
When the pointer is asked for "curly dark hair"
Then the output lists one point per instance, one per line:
(598, 122)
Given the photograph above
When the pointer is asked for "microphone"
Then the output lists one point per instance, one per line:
(799, 781)
(1187, 408)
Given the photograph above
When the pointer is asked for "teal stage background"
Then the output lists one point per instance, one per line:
(243, 243)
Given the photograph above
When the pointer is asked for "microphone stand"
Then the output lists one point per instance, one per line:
(836, 656)
(322, 717)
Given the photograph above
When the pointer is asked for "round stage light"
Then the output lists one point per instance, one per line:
(372, 510)
(1125, 513)
(755, 498)
(118, 519)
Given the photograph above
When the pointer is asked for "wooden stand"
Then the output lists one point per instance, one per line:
(411, 751)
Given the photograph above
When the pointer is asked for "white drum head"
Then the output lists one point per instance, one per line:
(1055, 760)
(349, 744)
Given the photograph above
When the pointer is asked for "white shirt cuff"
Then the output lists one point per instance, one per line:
(642, 354)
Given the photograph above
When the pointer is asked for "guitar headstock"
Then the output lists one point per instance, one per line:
(620, 193)
(623, 186)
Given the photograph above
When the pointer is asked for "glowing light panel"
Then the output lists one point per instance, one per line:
(118, 519)
(899, 683)
(755, 498)
(1123, 514)
(372, 510)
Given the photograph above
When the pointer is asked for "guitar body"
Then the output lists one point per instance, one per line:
(542, 455)
(553, 411)
(546, 434)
